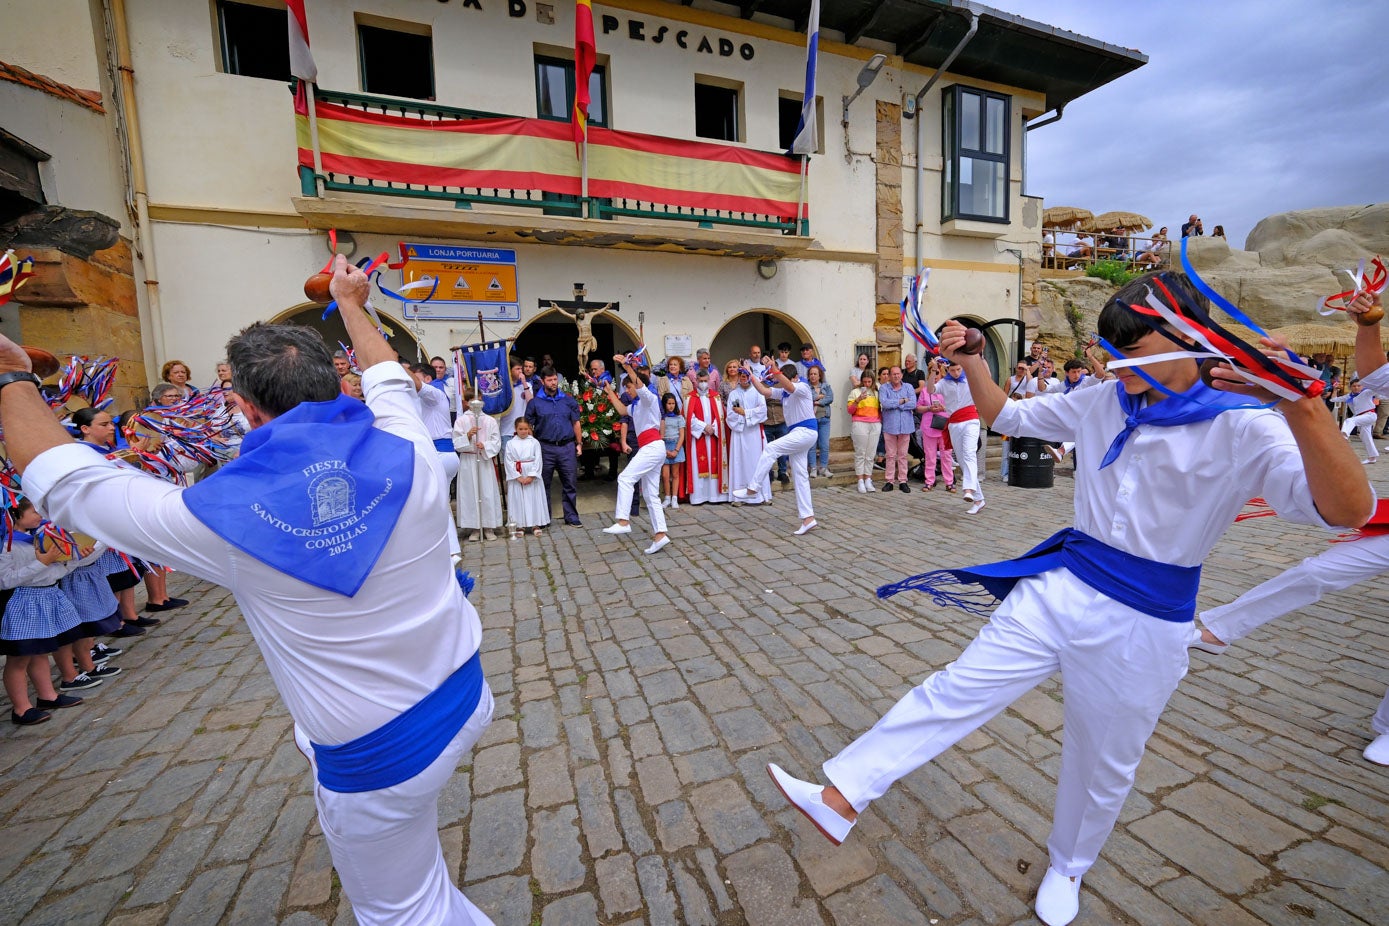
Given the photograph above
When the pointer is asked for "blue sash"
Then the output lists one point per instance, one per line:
(443, 444)
(1160, 590)
(406, 745)
(808, 424)
(315, 493)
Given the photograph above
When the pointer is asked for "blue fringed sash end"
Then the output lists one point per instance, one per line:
(946, 589)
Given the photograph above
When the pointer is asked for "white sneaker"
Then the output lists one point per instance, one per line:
(807, 528)
(665, 502)
(1215, 649)
(977, 507)
(1370, 460)
(1058, 899)
(618, 527)
(969, 495)
(658, 545)
(741, 494)
(825, 471)
(862, 486)
(1378, 751)
(805, 797)
(674, 502)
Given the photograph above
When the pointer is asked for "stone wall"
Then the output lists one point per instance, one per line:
(88, 308)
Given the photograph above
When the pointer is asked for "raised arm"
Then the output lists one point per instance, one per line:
(351, 287)
(1369, 353)
(987, 395)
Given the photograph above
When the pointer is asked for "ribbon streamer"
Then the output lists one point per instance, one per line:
(912, 321)
(1374, 284)
(14, 273)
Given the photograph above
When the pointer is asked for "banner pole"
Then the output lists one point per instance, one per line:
(311, 91)
(800, 202)
(583, 175)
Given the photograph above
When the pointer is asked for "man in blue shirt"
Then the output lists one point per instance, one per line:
(554, 417)
(898, 403)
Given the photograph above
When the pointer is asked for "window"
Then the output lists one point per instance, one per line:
(718, 106)
(789, 119)
(396, 60)
(254, 39)
(554, 90)
(976, 133)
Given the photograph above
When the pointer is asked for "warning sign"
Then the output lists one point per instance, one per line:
(470, 280)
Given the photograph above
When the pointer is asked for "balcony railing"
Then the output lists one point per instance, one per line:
(368, 144)
(1067, 249)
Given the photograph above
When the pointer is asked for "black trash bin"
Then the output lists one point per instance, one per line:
(1030, 466)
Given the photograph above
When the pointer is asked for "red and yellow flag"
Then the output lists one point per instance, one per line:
(585, 54)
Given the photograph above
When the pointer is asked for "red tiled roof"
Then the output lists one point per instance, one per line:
(89, 99)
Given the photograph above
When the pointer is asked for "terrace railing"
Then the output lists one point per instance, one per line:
(1067, 249)
(368, 144)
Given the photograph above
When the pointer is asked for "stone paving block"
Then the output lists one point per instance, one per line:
(873, 902)
(1107, 886)
(207, 899)
(24, 889)
(694, 905)
(663, 686)
(576, 908)
(706, 765)
(727, 816)
(633, 827)
(768, 888)
(1352, 883)
(1208, 857)
(660, 902)
(312, 882)
(596, 812)
(1233, 819)
(657, 778)
(91, 905)
(937, 895)
(174, 867)
(828, 868)
(539, 724)
(1001, 849)
(547, 778)
(497, 767)
(244, 832)
(715, 882)
(683, 728)
(745, 728)
(176, 785)
(991, 900)
(496, 835)
(1200, 904)
(506, 900)
(578, 732)
(617, 885)
(259, 899)
(118, 850)
(1287, 904)
(676, 826)
(556, 864)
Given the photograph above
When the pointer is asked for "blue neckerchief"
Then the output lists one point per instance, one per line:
(1067, 387)
(955, 379)
(406, 745)
(24, 537)
(97, 447)
(1157, 589)
(1199, 403)
(315, 493)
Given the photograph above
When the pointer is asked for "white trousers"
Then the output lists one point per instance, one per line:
(644, 467)
(1118, 668)
(865, 438)
(448, 461)
(1365, 421)
(1339, 567)
(385, 844)
(794, 445)
(964, 437)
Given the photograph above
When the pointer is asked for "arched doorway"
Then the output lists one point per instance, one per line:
(551, 333)
(764, 327)
(334, 333)
(995, 347)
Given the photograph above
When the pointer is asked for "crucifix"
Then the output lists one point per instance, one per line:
(582, 313)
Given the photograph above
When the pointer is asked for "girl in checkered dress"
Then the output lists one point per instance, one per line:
(38, 619)
(87, 588)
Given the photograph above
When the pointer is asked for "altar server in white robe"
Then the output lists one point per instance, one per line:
(478, 440)
(704, 430)
(746, 412)
(526, 504)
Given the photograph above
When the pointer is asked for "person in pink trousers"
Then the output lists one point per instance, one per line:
(932, 405)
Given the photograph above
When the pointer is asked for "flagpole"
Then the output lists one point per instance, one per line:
(583, 174)
(313, 134)
(800, 202)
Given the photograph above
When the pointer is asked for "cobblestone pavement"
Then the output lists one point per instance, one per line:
(638, 699)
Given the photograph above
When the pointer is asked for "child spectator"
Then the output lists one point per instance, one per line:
(673, 435)
(38, 620)
(525, 497)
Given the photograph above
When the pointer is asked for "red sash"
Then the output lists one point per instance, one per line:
(963, 413)
(649, 436)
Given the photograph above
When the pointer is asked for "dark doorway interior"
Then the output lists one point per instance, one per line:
(557, 336)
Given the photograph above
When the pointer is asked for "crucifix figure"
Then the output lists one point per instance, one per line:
(583, 315)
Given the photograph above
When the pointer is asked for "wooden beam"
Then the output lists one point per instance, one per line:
(856, 30)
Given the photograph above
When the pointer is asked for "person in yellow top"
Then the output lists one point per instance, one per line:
(867, 425)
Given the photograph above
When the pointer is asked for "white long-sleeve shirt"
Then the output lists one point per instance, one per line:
(344, 666)
(1172, 491)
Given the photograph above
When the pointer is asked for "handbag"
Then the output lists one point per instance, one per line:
(940, 422)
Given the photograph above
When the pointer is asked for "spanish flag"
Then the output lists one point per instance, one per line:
(585, 54)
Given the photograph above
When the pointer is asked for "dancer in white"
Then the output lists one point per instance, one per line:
(478, 440)
(329, 530)
(801, 435)
(746, 412)
(1340, 567)
(1362, 416)
(704, 437)
(1109, 603)
(645, 467)
(433, 407)
(964, 431)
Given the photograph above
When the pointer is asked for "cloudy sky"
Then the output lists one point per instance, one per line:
(1246, 108)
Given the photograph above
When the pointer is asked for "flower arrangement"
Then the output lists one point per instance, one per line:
(598, 417)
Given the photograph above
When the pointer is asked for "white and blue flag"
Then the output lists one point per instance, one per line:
(807, 132)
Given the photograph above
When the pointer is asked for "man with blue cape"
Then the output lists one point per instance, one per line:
(331, 531)
(1165, 462)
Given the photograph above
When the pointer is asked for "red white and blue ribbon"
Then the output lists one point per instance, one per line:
(14, 273)
(1374, 283)
(912, 321)
(86, 378)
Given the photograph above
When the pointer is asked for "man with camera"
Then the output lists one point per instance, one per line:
(1193, 227)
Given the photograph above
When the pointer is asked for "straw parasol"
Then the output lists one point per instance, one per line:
(1065, 215)
(1312, 338)
(1128, 221)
